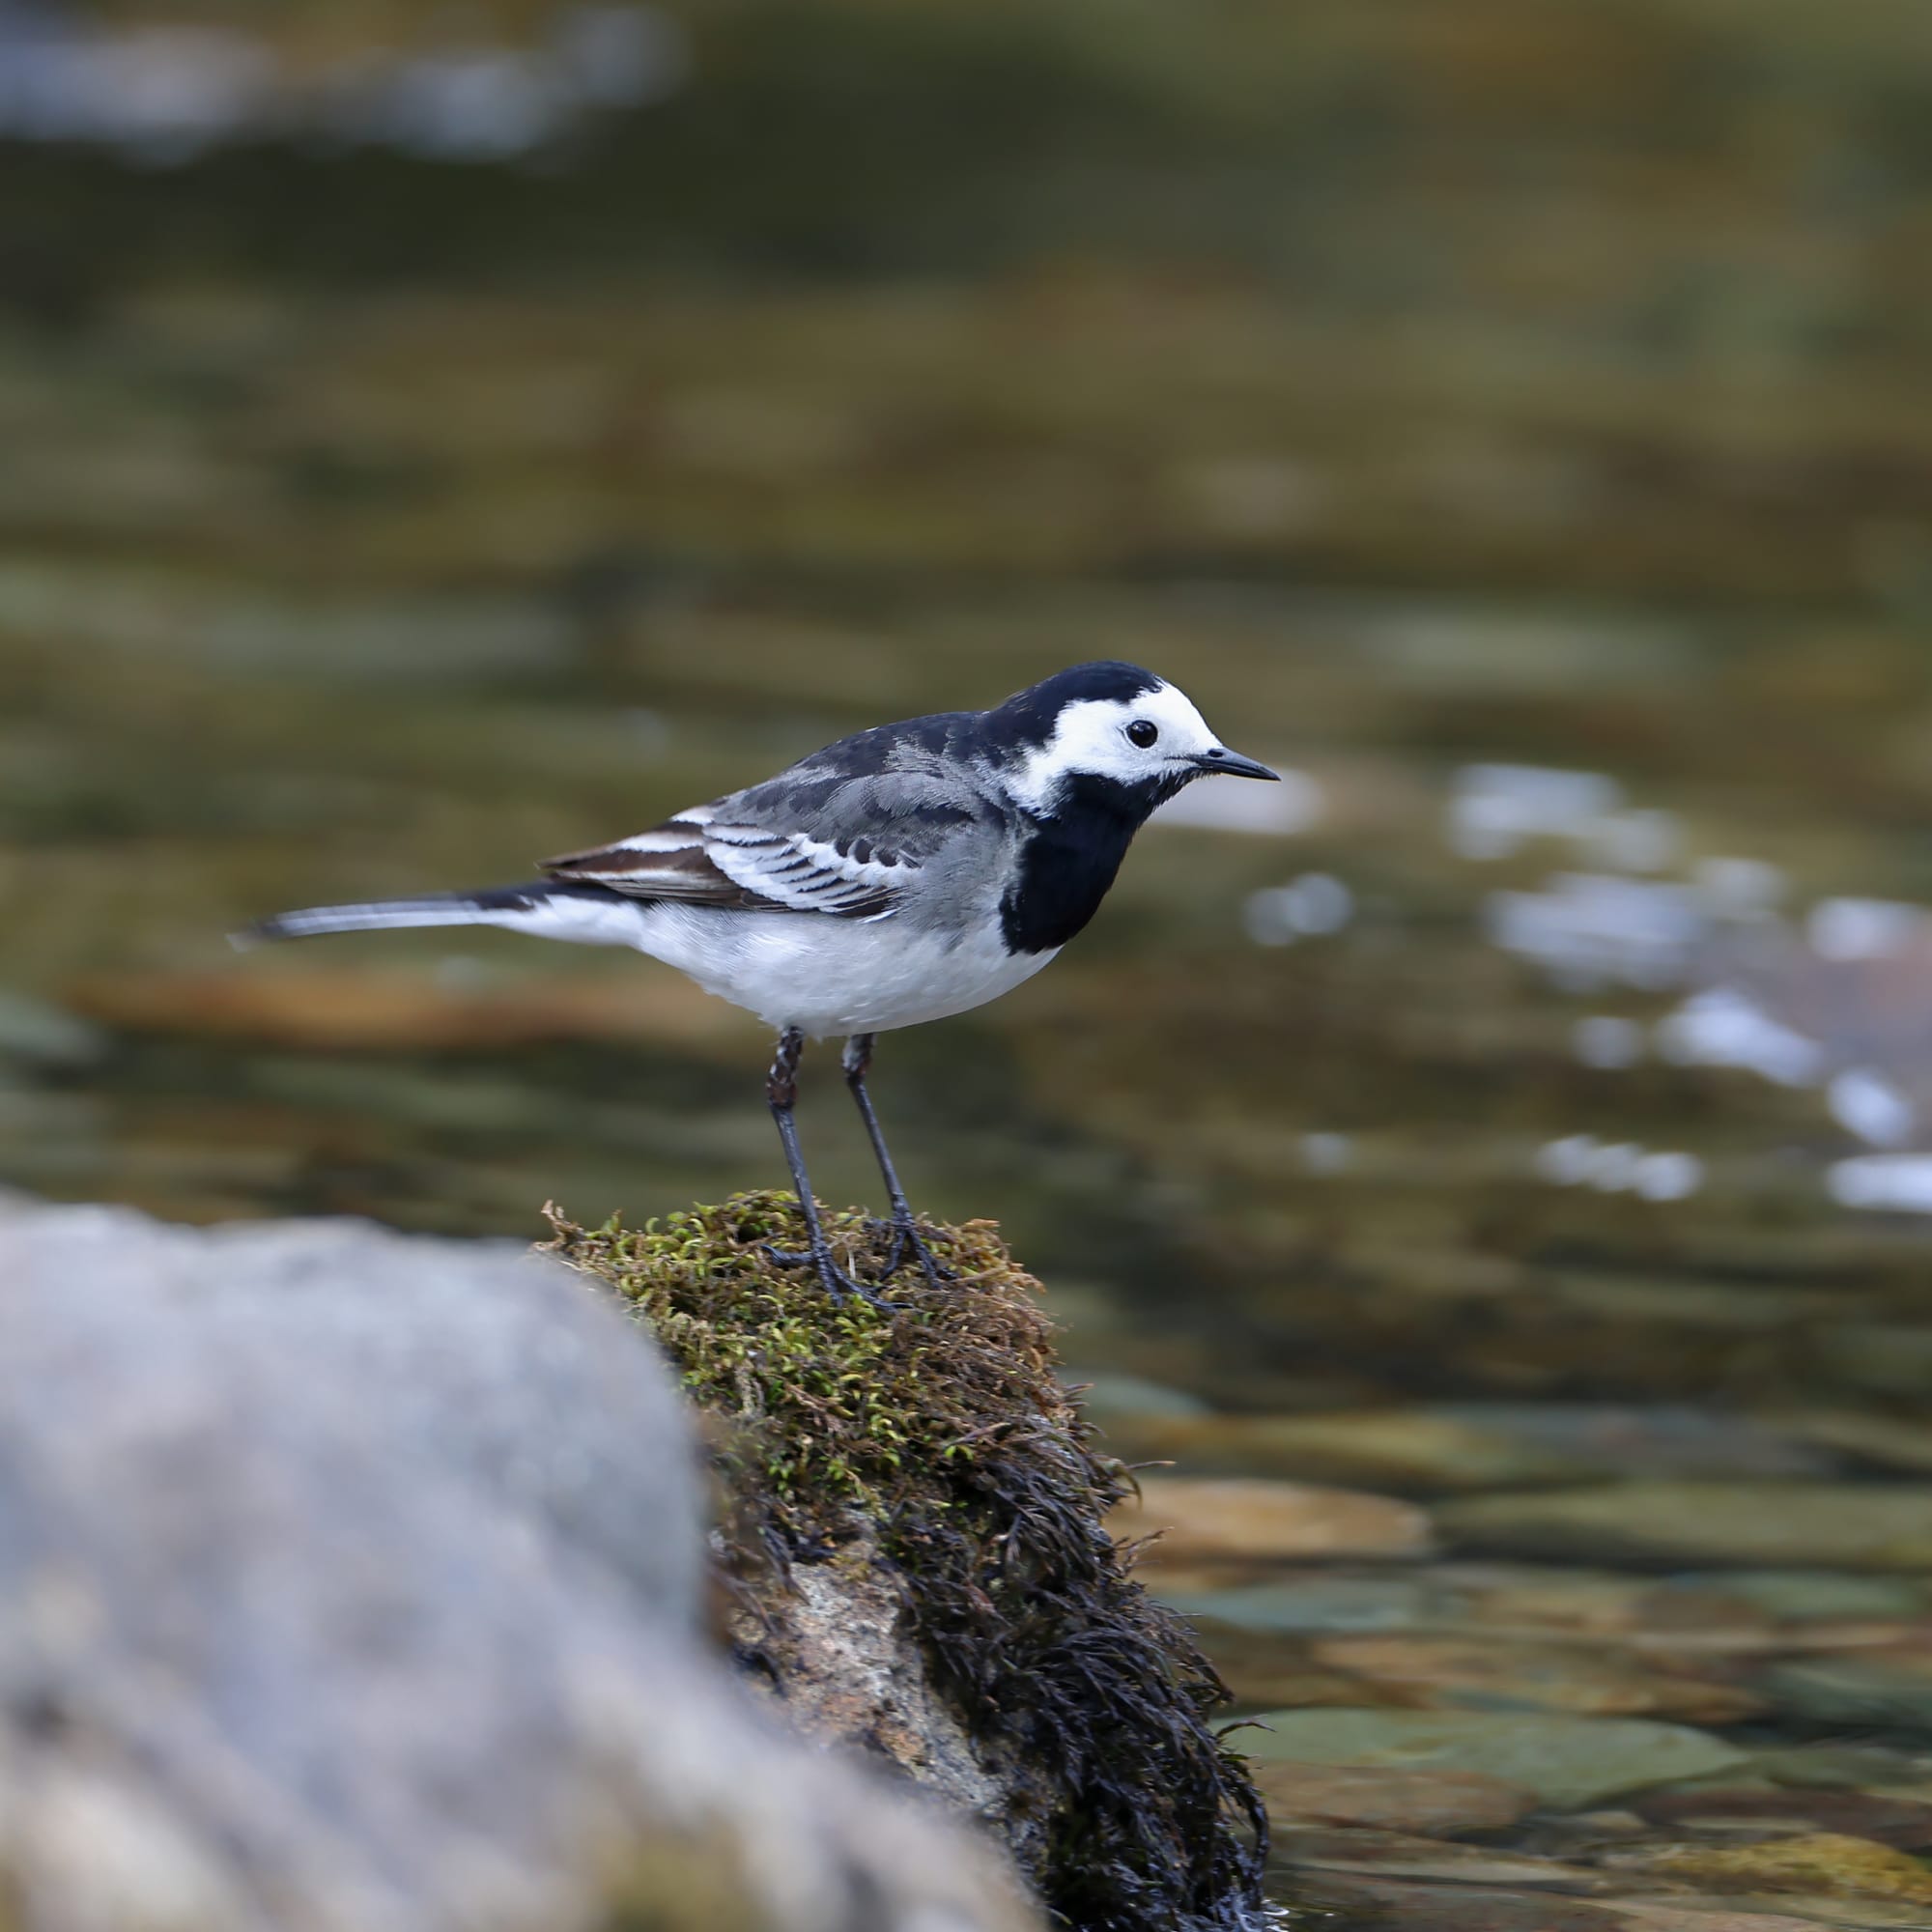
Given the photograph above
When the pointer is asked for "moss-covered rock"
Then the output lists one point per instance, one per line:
(913, 1536)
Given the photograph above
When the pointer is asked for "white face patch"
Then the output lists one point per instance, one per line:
(1092, 737)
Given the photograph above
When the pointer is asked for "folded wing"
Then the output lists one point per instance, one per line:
(721, 860)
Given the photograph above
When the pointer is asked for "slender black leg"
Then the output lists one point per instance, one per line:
(781, 1094)
(856, 1056)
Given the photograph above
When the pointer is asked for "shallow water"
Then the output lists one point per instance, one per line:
(1523, 1114)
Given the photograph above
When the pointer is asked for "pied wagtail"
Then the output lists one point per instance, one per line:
(904, 874)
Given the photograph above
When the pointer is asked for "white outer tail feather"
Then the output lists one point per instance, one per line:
(359, 919)
(587, 916)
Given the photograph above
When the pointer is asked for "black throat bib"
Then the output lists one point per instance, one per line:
(1069, 859)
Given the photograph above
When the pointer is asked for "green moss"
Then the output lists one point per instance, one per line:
(940, 1435)
(833, 1408)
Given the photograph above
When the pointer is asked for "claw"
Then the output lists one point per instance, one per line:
(906, 1235)
(837, 1283)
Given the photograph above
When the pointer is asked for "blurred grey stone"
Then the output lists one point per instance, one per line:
(351, 1581)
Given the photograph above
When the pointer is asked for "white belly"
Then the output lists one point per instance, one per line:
(832, 975)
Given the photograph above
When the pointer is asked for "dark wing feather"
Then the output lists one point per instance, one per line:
(670, 862)
(841, 833)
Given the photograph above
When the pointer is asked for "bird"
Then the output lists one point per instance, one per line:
(902, 874)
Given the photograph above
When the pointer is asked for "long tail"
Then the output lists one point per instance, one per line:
(591, 914)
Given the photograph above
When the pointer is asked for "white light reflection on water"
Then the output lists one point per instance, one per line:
(166, 94)
(1589, 930)
(1818, 1002)
(1308, 907)
(1494, 811)
(1872, 1108)
(1619, 1167)
(1900, 1181)
(1668, 1177)
(1725, 1027)
(1866, 929)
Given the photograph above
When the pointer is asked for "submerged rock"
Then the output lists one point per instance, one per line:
(1842, 1766)
(1307, 1605)
(1434, 1803)
(1889, 1441)
(348, 1581)
(1568, 1762)
(1902, 1822)
(1824, 1864)
(1819, 1596)
(1243, 1519)
(1857, 1526)
(1400, 1855)
(915, 1537)
(1409, 1905)
(1475, 1674)
(1459, 1446)
(1885, 1689)
(1407, 1449)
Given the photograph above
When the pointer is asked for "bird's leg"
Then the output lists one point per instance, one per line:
(782, 1095)
(856, 1056)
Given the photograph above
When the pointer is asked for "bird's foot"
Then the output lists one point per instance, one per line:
(834, 1280)
(908, 1240)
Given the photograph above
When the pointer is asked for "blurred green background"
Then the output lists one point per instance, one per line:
(433, 437)
(430, 437)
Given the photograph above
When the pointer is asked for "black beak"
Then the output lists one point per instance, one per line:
(1221, 759)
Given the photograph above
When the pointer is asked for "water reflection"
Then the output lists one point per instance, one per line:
(1723, 1026)
(1590, 930)
(1582, 1160)
(167, 92)
(1308, 907)
(1494, 811)
(1822, 1001)
(1899, 1181)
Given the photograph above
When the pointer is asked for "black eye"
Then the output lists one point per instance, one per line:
(1143, 732)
